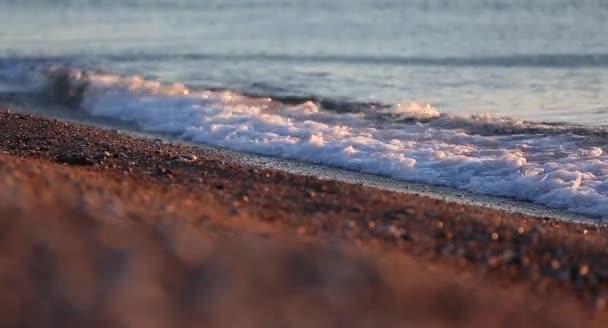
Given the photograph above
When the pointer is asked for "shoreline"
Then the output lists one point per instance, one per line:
(551, 270)
(326, 172)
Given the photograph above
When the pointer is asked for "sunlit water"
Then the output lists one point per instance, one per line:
(393, 88)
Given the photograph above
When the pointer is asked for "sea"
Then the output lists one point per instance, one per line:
(507, 98)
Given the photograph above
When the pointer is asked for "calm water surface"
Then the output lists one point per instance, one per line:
(543, 60)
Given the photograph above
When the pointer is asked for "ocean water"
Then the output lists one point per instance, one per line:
(506, 98)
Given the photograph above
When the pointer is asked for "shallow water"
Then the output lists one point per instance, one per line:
(398, 89)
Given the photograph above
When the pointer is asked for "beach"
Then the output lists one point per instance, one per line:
(103, 228)
(321, 163)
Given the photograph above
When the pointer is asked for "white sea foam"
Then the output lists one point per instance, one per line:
(558, 169)
(414, 110)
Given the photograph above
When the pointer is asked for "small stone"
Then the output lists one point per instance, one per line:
(75, 159)
(393, 230)
(162, 171)
(187, 158)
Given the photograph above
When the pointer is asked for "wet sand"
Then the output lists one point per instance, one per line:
(99, 228)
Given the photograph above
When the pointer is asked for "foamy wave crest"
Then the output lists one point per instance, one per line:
(554, 166)
(413, 110)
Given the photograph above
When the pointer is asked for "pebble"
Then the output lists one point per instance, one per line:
(396, 231)
(188, 158)
(75, 159)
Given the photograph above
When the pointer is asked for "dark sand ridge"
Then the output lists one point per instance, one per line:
(101, 228)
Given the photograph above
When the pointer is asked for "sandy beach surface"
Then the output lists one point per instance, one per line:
(99, 228)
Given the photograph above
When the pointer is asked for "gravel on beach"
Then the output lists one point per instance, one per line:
(100, 228)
